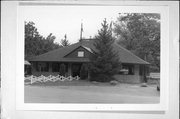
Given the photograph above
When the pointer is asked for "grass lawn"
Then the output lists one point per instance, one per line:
(89, 92)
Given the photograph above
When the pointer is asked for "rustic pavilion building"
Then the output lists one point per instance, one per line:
(133, 68)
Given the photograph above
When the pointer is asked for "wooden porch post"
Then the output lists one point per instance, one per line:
(89, 73)
(69, 69)
(89, 76)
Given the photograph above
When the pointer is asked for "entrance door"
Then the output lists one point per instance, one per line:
(76, 69)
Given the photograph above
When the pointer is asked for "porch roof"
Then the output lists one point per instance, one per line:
(125, 56)
(27, 63)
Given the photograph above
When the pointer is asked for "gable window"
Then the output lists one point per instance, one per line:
(80, 53)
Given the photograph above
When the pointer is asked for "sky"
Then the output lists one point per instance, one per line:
(61, 20)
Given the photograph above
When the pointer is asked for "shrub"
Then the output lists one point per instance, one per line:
(102, 78)
(62, 70)
(113, 82)
(84, 71)
(144, 85)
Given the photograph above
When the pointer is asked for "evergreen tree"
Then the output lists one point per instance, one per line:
(105, 61)
(62, 70)
(65, 42)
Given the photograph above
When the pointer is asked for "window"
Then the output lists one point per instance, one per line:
(80, 53)
(55, 67)
(66, 66)
(42, 66)
(127, 69)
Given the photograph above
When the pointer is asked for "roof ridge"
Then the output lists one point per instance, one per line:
(78, 45)
(52, 51)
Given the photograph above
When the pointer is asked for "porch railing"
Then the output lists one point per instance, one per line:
(42, 79)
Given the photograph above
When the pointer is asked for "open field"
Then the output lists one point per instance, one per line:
(88, 92)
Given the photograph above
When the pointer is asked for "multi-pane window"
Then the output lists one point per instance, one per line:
(80, 53)
(127, 69)
(42, 66)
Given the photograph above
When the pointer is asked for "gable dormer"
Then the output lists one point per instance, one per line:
(80, 52)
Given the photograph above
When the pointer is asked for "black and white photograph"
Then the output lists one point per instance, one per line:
(91, 55)
(92, 60)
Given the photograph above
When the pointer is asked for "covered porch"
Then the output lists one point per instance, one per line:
(53, 68)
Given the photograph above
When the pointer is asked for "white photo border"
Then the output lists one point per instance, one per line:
(164, 74)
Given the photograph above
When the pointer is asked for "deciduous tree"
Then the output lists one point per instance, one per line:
(36, 44)
(140, 33)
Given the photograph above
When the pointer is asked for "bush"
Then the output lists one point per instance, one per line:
(84, 71)
(62, 70)
(114, 82)
(144, 85)
(102, 78)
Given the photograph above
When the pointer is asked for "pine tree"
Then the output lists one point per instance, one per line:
(105, 62)
(65, 42)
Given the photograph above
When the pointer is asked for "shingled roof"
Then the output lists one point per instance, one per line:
(125, 56)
